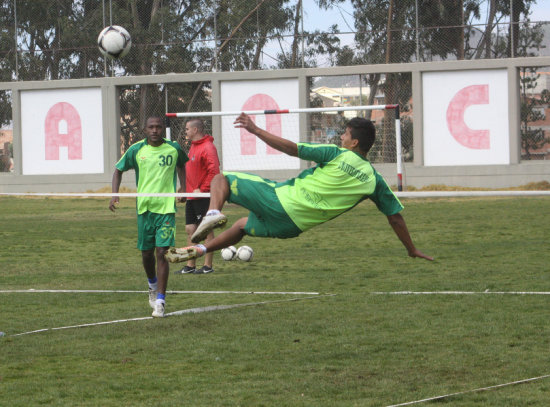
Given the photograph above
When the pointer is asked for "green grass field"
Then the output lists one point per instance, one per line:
(359, 347)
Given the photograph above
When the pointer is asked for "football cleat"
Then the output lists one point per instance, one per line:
(152, 297)
(208, 224)
(158, 312)
(177, 255)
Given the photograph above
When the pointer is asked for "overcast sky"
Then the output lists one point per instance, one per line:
(343, 15)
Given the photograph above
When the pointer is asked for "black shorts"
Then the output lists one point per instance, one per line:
(195, 209)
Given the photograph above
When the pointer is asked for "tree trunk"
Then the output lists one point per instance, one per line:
(389, 32)
(259, 47)
(485, 44)
(297, 37)
(513, 34)
(460, 44)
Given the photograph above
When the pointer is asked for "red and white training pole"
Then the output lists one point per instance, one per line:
(284, 111)
(398, 156)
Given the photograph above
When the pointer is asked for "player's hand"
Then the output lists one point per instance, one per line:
(418, 253)
(181, 199)
(114, 203)
(244, 121)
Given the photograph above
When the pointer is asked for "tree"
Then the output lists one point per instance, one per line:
(489, 46)
(532, 110)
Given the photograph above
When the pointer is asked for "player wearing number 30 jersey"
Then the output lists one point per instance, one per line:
(155, 168)
(158, 163)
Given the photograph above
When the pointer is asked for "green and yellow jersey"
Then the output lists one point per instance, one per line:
(341, 180)
(155, 169)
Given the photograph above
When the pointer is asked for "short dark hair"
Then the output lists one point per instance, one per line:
(198, 124)
(364, 131)
(154, 118)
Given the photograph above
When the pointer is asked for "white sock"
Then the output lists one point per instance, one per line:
(160, 301)
(153, 286)
(213, 212)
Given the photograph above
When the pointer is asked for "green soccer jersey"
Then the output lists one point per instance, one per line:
(340, 181)
(155, 169)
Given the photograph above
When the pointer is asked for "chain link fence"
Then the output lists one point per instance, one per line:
(41, 41)
(137, 103)
(6, 133)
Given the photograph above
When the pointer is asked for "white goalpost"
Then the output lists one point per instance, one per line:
(321, 124)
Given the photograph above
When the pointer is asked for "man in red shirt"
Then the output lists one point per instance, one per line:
(203, 164)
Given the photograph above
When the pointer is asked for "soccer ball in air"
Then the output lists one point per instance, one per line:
(114, 41)
(228, 253)
(245, 253)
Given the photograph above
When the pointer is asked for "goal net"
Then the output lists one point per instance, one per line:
(241, 151)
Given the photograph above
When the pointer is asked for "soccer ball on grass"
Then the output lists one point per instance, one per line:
(114, 41)
(228, 253)
(245, 253)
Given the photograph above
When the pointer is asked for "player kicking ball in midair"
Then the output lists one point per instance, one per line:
(342, 178)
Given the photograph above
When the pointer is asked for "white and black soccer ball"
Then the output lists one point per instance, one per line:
(245, 253)
(229, 253)
(114, 41)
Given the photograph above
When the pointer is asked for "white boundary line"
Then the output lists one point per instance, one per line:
(460, 292)
(471, 391)
(32, 290)
(110, 194)
(455, 194)
(175, 313)
(400, 194)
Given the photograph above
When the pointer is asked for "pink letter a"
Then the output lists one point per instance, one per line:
(72, 138)
(273, 125)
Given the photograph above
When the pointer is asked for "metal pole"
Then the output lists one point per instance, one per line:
(285, 111)
(168, 129)
(104, 58)
(215, 35)
(111, 23)
(15, 37)
(361, 92)
(303, 39)
(417, 33)
(512, 50)
(398, 147)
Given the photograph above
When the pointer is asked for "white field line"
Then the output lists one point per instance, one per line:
(457, 194)
(459, 292)
(175, 313)
(400, 194)
(32, 290)
(471, 391)
(109, 194)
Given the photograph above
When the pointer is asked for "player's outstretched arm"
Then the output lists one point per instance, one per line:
(115, 186)
(278, 143)
(400, 228)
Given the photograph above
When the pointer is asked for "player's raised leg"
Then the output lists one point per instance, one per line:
(228, 237)
(219, 192)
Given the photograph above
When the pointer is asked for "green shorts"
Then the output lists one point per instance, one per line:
(267, 218)
(156, 230)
